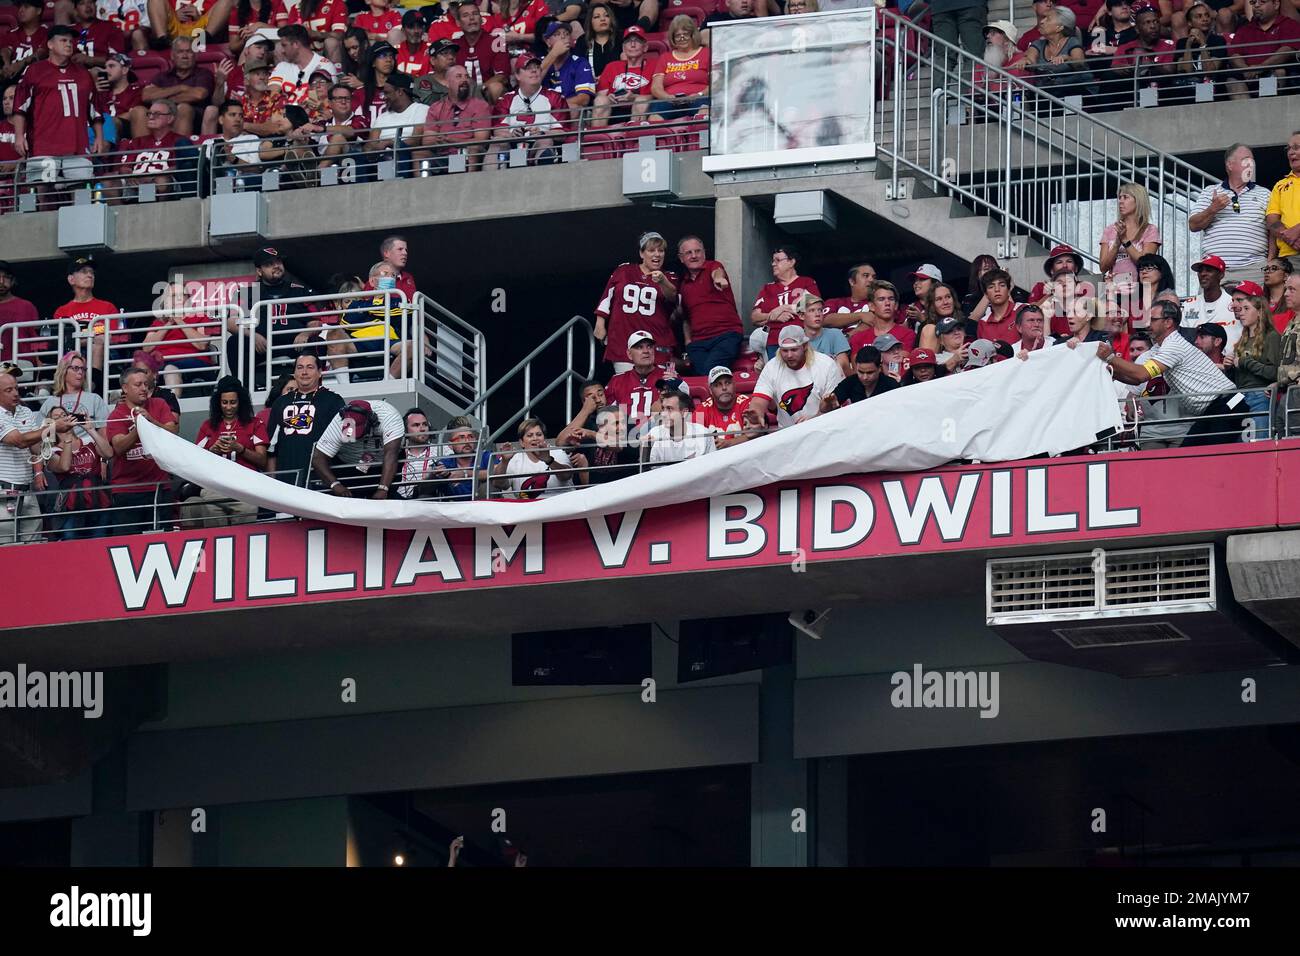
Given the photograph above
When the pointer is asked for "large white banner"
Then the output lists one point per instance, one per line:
(1059, 399)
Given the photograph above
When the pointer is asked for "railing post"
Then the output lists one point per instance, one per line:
(896, 135)
(568, 392)
(1006, 175)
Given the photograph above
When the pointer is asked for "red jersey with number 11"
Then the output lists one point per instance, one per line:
(58, 104)
(631, 303)
(634, 393)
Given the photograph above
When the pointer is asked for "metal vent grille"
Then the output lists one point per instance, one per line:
(1087, 585)
(1120, 635)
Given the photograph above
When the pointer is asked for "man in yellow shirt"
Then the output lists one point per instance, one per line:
(1282, 218)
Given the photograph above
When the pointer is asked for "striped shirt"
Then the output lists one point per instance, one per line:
(1189, 372)
(15, 462)
(1238, 238)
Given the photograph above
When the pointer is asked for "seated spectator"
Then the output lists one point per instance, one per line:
(1282, 218)
(623, 87)
(97, 39)
(774, 308)
(1289, 369)
(980, 353)
(680, 85)
(1210, 339)
(401, 126)
(1254, 363)
(263, 108)
(77, 477)
(455, 476)
(709, 313)
(1130, 237)
(370, 98)
(1115, 20)
(166, 394)
(294, 155)
(373, 332)
(1030, 329)
(563, 71)
(141, 490)
(378, 21)
(880, 320)
(71, 395)
(613, 455)
(923, 280)
(362, 437)
(1202, 54)
(484, 59)
(731, 11)
(1266, 45)
(232, 431)
(413, 51)
(599, 40)
(1155, 282)
(676, 437)
(23, 45)
(796, 384)
(893, 356)
(233, 150)
(188, 18)
(1213, 304)
(1062, 260)
(433, 87)
(96, 318)
(827, 341)
(582, 430)
(867, 381)
(921, 367)
(123, 99)
(1159, 418)
(723, 412)
(1149, 59)
(639, 296)
(1083, 321)
(534, 470)
(153, 157)
(1230, 217)
(842, 313)
(952, 344)
(531, 117)
(178, 342)
(458, 122)
(941, 304)
(1056, 59)
(188, 88)
(1276, 272)
(343, 130)
(21, 430)
(635, 389)
(325, 21)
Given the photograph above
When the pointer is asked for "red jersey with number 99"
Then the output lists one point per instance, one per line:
(58, 104)
(633, 303)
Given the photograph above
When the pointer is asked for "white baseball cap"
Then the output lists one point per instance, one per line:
(792, 335)
(639, 336)
(717, 372)
(928, 271)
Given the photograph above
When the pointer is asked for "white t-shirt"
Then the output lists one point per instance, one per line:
(294, 81)
(696, 441)
(1196, 311)
(534, 479)
(798, 393)
(388, 123)
(244, 147)
(366, 452)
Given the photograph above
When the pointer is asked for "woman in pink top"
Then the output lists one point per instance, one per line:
(681, 78)
(1132, 236)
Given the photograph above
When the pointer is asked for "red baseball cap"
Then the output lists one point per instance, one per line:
(921, 357)
(1214, 262)
(523, 59)
(634, 30)
(1249, 288)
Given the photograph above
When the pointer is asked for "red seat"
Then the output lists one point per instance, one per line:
(656, 47)
(699, 385)
(745, 362)
(213, 55)
(744, 380)
(147, 66)
(8, 19)
(601, 146)
(679, 9)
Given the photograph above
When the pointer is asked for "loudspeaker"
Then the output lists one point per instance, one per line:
(732, 645)
(595, 655)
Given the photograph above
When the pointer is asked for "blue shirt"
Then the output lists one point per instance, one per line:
(572, 77)
(461, 489)
(831, 342)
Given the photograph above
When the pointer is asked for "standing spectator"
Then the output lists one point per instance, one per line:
(534, 115)
(70, 394)
(635, 388)
(76, 470)
(774, 308)
(827, 341)
(1289, 369)
(563, 71)
(1283, 216)
(1276, 272)
(181, 343)
(923, 280)
(188, 86)
(1030, 328)
(536, 471)
(1213, 304)
(1265, 45)
(363, 436)
(941, 304)
(9, 165)
(396, 252)
(21, 429)
(1160, 419)
(188, 18)
(298, 63)
(640, 296)
(1254, 365)
(432, 87)
(460, 121)
(997, 323)
(1230, 217)
(1204, 390)
(677, 437)
(54, 100)
(139, 485)
(600, 37)
(413, 54)
(484, 59)
(1130, 237)
(867, 381)
(231, 431)
(724, 411)
(796, 384)
(681, 77)
(124, 98)
(623, 84)
(24, 44)
(880, 320)
(711, 322)
(955, 21)
(284, 328)
(1082, 319)
(298, 418)
(15, 309)
(1211, 339)
(843, 312)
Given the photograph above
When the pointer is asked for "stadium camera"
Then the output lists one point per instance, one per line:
(812, 623)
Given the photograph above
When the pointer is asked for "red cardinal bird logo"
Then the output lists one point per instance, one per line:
(794, 400)
(534, 485)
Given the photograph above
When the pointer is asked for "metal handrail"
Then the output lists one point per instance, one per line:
(525, 365)
(1013, 115)
(450, 334)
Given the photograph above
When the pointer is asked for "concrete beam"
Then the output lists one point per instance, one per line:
(1265, 574)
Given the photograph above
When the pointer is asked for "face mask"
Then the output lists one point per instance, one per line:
(385, 283)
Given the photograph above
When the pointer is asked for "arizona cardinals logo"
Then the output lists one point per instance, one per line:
(794, 400)
(534, 485)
